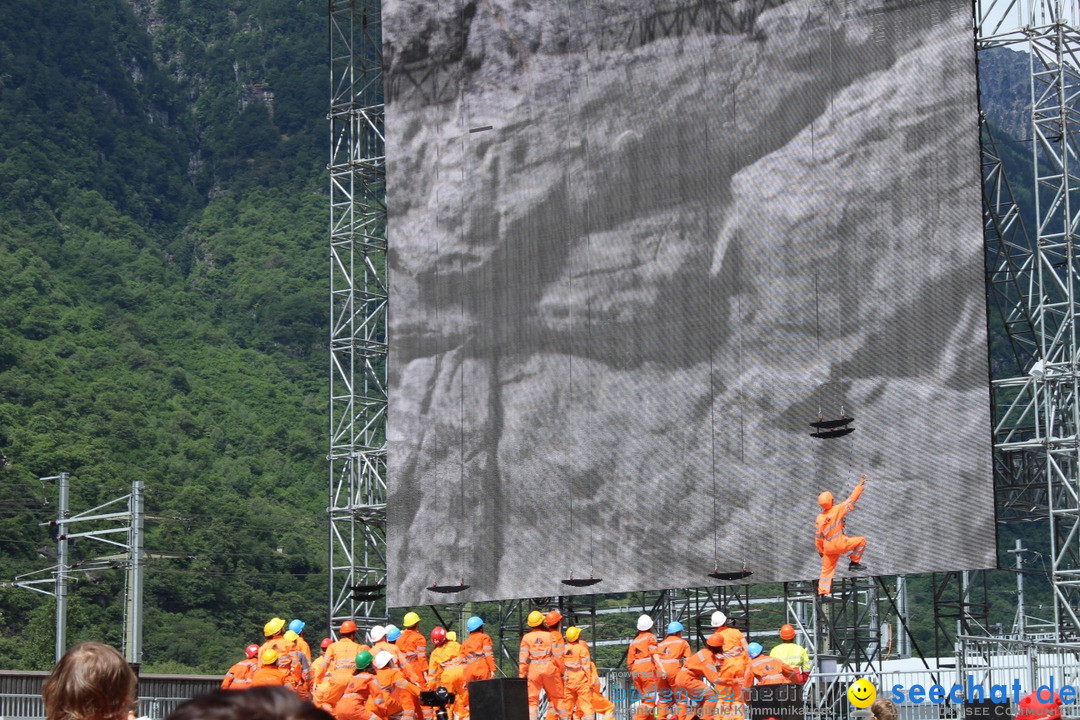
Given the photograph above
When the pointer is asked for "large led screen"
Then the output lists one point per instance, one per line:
(636, 247)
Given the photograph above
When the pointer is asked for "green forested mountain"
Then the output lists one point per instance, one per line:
(162, 311)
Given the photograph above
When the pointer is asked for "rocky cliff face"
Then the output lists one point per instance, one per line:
(637, 247)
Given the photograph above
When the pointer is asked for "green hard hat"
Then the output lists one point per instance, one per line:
(363, 659)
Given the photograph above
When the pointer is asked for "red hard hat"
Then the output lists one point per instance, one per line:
(787, 632)
(252, 650)
(325, 643)
(347, 627)
(553, 618)
(438, 634)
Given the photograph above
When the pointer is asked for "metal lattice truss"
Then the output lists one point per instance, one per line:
(358, 305)
(1034, 284)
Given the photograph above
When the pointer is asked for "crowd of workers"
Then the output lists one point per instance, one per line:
(384, 677)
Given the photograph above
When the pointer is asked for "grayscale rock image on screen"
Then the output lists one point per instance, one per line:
(636, 247)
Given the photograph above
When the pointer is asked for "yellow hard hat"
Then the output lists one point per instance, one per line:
(410, 619)
(273, 627)
(573, 633)
(451, 636)
(291, 637)
(535, 618)
(269, 656)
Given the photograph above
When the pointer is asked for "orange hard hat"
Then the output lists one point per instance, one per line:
(787, 632)
(715, 641)
(825, 500)
(347, 627)
(553, 618)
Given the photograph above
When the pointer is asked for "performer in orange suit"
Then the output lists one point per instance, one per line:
(363, 698)
(643, 661)
(479, 654)
(767, 670)
(553, 624)
(673, 651)
(340, 664)
(831, 542)
(689, 684)
(400, 696)
(240, 674)
(537, 662)
(578, 674)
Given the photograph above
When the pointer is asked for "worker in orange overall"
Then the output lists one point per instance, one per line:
(363, 695)
(600, 704)
(479, 655)
(673, 650)
(239, 675)
(340, 664)
(578, 672)
(553, 624)
(537, 663)
(413, 647)
(298, 666)
(643, 661)
(445, 665)
(452, 664)
(791, 653)
(274, 630)
(731, 705)
(297, 626)
(767, 670)
(402, 697)
(268, 672)
(319, 666)
(832, 543)
(696, 681)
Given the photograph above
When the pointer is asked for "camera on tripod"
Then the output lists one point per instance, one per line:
(438, 698)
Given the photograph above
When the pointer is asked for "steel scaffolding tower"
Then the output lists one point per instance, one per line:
(1034, 284)
(358, 304)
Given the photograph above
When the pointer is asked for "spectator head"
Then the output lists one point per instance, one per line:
(92, 681)
(257, 703)
(884, 709)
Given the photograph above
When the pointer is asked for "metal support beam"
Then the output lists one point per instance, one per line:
(1036, 409)
(358, 307)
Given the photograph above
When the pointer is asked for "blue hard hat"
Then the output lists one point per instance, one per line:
(474, 623)
(393, 632)
(297, 626)
(754, 649)
(674, 627)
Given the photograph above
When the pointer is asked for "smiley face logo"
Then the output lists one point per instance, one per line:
(862, 693)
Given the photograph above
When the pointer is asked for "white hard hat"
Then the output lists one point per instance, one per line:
(718, 619)
(644, 622)
(383, 658)
(377, 633)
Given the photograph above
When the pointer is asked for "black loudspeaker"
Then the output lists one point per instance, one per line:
(499, 699)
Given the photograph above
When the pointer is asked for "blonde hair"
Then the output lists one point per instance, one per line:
(884, 709)
(91, 682)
